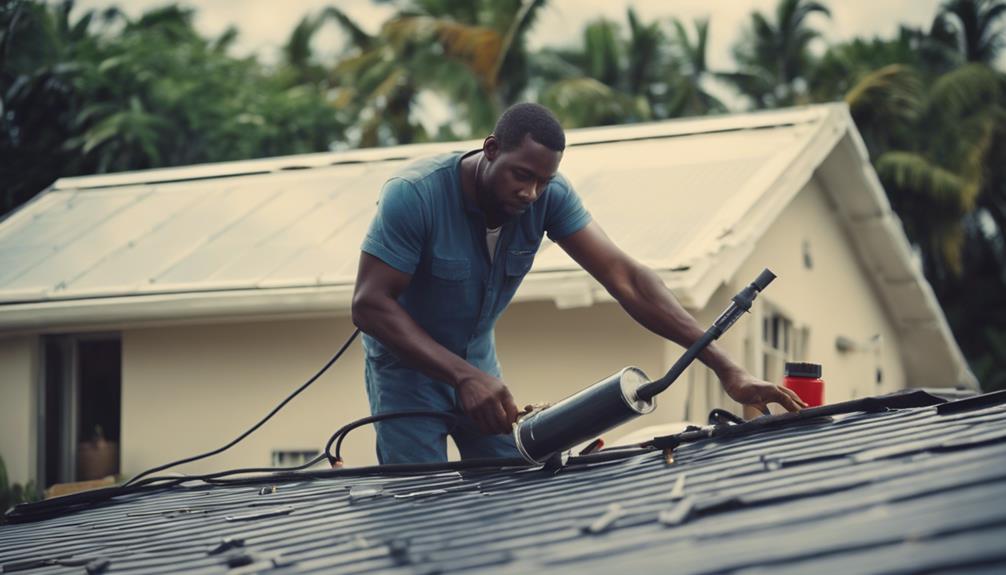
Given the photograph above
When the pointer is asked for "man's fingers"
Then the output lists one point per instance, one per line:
(786, 401)
(794, 396)
(511, 410)
(502, 423)
(478, 416)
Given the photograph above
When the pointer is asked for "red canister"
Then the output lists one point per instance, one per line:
(805, 380)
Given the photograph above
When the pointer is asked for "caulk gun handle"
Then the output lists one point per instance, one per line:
(739, 305)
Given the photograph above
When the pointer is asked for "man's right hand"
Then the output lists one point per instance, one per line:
(488, 402)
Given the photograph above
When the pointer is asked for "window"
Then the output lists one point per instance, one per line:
(781, 342)
(79, 408)
(292, 457)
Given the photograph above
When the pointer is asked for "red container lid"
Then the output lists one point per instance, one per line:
(806, 370)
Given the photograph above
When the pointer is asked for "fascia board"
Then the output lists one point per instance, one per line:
(52, 316)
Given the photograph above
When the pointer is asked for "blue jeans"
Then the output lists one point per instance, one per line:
(424, 439)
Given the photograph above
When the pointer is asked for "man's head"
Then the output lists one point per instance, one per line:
(523, 154)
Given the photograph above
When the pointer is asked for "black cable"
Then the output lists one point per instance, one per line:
(257, 425)
(338, 436)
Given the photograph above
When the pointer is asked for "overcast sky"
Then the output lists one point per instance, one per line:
(265, 24)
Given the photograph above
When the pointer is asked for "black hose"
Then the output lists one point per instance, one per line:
(338, 436)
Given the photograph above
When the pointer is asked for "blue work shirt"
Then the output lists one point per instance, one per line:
(427, 228)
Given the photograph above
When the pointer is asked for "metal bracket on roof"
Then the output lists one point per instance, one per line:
(226, 544)
(605, 521)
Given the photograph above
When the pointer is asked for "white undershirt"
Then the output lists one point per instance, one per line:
(492, 238)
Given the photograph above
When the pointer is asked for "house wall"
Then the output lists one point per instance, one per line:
(18, 379)
(834, 297)
(186, 390)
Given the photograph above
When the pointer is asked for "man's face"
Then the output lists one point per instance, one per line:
(515, 179)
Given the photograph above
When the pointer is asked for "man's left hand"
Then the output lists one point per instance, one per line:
(744, 388)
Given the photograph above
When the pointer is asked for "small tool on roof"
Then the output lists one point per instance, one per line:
(618, 398)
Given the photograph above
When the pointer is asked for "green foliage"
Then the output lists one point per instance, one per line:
(978, 30)
(690, 97)
(12, 494)
(618, 75)
(774, 56)
(100, 93)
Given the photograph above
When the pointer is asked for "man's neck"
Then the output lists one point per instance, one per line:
(470, 167)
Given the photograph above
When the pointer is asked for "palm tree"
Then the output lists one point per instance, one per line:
(611, 79)
(373, 88)
(979, 35)
(939, 177)
(473, 53)
(690, 96)
(773, 55)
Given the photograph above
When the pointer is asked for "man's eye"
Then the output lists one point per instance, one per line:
(522, 176)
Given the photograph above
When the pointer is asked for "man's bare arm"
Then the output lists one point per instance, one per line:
(643, 295)
(376, 312)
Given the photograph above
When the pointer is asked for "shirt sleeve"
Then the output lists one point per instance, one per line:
(566, 214)
(400, 227)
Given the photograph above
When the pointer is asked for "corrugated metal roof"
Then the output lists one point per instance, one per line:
(901, 490)
(208, 228)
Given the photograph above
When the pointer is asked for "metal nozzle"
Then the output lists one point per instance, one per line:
(763, 279)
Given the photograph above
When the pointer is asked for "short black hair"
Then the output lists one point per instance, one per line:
(535, 120)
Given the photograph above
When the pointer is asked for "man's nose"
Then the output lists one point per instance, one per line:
(530, 193)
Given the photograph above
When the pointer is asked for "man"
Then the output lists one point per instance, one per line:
(453, 237)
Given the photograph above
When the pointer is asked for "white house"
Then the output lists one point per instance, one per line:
(175, 307)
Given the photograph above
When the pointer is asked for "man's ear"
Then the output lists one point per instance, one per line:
(491, 147)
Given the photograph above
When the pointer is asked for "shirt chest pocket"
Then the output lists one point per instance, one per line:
(452, 294)
(518, 264)
(450, 270)
(516, 267)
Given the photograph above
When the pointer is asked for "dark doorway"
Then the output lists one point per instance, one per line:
(81, 408)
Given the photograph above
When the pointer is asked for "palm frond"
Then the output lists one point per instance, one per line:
(910, 173)
(357, 35)
(523, 21)
(581, 102)
(890, 93)
(969, 87)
